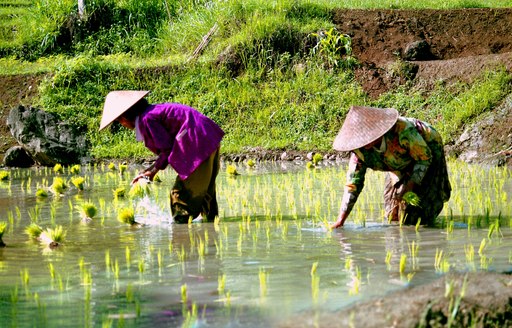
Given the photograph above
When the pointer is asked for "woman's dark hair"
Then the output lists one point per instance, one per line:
(136, 109)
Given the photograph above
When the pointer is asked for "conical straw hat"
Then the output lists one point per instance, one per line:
(118, 102)
(363, 125)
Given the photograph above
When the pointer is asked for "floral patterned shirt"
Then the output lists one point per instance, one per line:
(404, 151)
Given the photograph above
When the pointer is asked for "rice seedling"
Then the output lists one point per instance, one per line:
(389, 255)
(221, 285)
(184, 294)
(441, 264)
(87, 211)
(356, 282)
(231, 170)
(41, 193)
(494, 228)
(122, 168)
(251, 163)
(141, 266)
(33, 230)
(75, 169)
(310, 165)
(58, 186)
(3, 228)
(127, 254)
(126, 215)
(317, 158)
(263, 278)
(119, 192)
(412, 198)
(4, 175)
(78, 182)
(140, 188)
(53, 237)
(315, 282)
(403, 263)
(57, 168)
(111, 166)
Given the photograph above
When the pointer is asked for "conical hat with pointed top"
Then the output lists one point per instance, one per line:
(363, 125)
(118, 102)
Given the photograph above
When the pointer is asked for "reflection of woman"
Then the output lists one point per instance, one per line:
(182, 137)
(409, 150)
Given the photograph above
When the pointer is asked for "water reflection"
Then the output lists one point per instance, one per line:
(269, 257)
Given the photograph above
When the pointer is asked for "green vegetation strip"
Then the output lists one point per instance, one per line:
(266, 76)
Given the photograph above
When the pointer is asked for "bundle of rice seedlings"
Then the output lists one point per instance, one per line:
(87, 211)
(33, 230)
(126, 215)
(53, 237)
(78, 182)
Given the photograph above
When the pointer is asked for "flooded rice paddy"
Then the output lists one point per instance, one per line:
(268, 258)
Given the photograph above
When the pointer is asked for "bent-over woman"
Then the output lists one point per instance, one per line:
(408, 150)
(182, 137)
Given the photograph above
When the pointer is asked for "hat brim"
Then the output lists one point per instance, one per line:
(118, 102)
(364, 125)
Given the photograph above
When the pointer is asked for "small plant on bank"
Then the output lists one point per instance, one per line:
(3, 228)
(334, 48)
(317, 158)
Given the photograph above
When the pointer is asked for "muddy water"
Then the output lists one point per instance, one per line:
(268, 258)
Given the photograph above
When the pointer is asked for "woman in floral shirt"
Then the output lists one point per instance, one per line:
(409, 150)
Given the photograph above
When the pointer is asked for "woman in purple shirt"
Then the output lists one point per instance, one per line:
(181, 137)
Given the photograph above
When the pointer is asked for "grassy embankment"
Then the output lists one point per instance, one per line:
(263, 77)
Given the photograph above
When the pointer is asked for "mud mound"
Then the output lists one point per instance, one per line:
(456, 44)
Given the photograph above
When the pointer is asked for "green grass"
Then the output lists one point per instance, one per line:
(269, 90)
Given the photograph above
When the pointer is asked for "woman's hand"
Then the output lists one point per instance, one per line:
(148, 174)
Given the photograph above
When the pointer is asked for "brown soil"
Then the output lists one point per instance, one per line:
(462, 43)
(486, 302)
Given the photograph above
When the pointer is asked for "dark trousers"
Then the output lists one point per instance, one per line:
(197, 194)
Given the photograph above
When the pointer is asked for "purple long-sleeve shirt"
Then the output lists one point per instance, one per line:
(180, 135)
